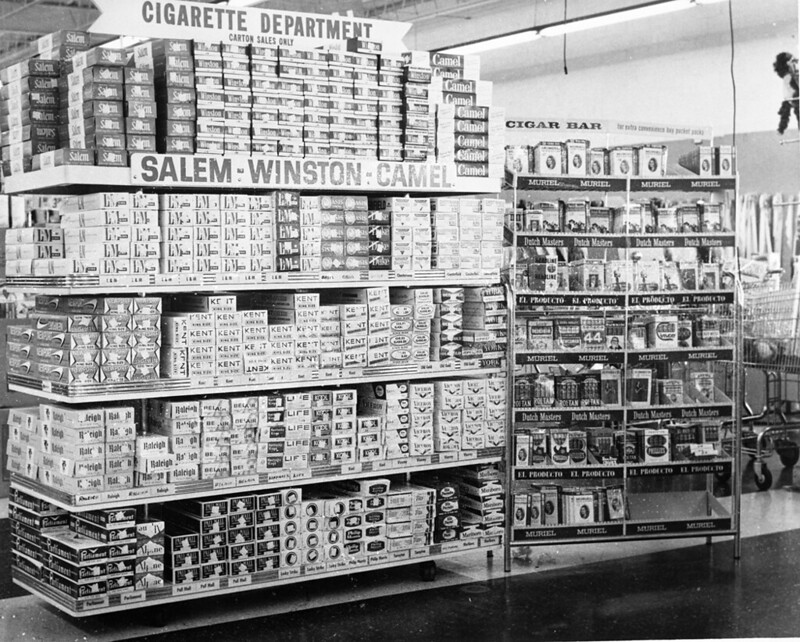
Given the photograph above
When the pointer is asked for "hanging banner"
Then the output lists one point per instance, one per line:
(576, 127)
(221, 23)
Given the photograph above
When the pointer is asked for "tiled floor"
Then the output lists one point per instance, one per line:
(563, 592)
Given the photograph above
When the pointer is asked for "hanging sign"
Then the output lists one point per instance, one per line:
(215, 22)
(576, 126)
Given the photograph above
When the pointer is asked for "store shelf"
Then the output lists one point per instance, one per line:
(582, 415)
(620, 471)
(599, 531)
(99, 392)
(695, 411)
(265, 481)
(200, 172)
(530, 473)
(671, 355)
(235, 584)
(527, 358)
(620, 184)
(676, 512)
(713, 466)
(530, 300)
(176, 283)
(621, 241)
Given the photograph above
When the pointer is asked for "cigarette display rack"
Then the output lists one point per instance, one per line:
(621, 396)
(255, 172)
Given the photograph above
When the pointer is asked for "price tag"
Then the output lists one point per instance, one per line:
(82, 500)
(279, 477)
(399, 556)
(349, 469)
(183, 589)
(222, 483)
(491, 541)
(286, 573)
(421, 461)
(446, 458)
(140, 493)
(99, 602)
(468, 454)
(207, 585)
(139, 279)
(132, 598)
(240, 580)
(451, 547)
(313, 569)
(301, 474)
(247, 480)
(469, 543)
(381, 465)
(417, 553)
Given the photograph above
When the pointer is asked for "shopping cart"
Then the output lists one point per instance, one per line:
(770, 325)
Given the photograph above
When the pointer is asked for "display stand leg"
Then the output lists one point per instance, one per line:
(158, 616)
(427, 571)
(489, 554)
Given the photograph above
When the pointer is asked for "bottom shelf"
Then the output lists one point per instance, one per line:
(110, 603)
(652, 516)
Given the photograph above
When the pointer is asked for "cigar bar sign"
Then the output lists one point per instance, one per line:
(576, 126)
(186, 170)
(216, 22)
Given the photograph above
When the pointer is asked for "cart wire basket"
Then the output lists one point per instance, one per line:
(771, 343)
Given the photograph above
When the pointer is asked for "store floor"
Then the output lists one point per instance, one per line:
(633, 590)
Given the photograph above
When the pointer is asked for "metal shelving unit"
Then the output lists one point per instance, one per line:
(647, 515)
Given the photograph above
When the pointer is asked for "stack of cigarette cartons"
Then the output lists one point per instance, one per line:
(380, 239)
(93, 114)
(447, 325)
(284, 432)
(294, 328)
(180, 423)
(480, 500)
(447, 516)
(485, 322)
(362, 109)
(420, 301)
(154, 463)
(410, 236)
(150, 553)
(344, 233)
(365, 519)
(141, 126)
(418, 118)
(87, 449)
(23, 448)
(286, 93)
(203, 337)
(174, 82)
(391, 403)
(492, 213)
(365, 315)
(496, 405)
(23, 245)
(75, 564)
(29, 102)
(344, 445)
(115, 528)
(131, 339)
(447, 418)
(469, 130)
(421, 407)
(410, 514)
(265, 109)
(287, 232)
(30, 517)
(236, 83)
(390, 107)
(210, 137)
(199, 546)
(310, 234)
(446, 249)
(108, 233)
